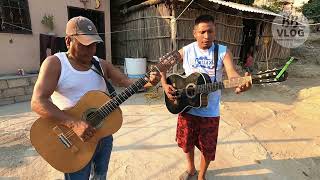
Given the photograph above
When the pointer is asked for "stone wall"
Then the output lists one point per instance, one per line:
(14, 89)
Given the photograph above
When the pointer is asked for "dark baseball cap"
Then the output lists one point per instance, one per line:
(83, 30)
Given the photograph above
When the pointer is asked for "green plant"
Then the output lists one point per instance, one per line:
(312, 10)
(274, 6)
(47, 20)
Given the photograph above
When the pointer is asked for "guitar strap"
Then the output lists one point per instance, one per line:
(216, 52)
(99, 71)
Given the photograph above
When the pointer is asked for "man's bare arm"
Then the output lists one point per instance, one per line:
(229, 66)
(117, 77)
(44, 87)
(232, 73)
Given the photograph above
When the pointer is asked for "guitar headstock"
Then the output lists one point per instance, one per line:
(168, 60)
(269, 76)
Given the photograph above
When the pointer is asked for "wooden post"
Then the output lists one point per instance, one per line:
(159, 34)
(107, 22)
(173, 27)
(257, 38)
(256, 43)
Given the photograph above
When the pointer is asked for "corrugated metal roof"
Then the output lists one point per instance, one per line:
(243, 7)
(240, 7)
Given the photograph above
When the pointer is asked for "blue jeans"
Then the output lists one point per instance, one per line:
(98, 166)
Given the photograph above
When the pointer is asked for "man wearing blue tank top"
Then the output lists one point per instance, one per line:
(199, 126)
(65, 77)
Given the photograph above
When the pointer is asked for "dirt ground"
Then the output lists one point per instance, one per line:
(271, 132)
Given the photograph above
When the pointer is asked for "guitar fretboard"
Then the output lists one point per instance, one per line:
(122, 97)
(165, 63)
(234, 82)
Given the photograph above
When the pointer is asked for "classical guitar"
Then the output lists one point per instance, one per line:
(192, 91)
(62, 148)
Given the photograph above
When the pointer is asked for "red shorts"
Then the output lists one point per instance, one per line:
(201, 132)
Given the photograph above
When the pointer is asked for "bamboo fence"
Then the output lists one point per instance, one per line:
(269, 53)
(152, 40)
(151, 33)
(145, 33)
(228, 29)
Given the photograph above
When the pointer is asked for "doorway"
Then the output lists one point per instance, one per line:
(248, 41)
(97, 17)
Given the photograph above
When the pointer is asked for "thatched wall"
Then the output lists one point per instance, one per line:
(228, 29)
(150, 32)
(269, 53)
(147, 32)
(144, 33)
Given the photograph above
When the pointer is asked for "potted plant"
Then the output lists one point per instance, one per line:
(47, 21)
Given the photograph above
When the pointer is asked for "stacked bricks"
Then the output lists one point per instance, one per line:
(14, 89)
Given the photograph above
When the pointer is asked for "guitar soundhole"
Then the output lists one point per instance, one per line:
(92, 118)
(190, 90)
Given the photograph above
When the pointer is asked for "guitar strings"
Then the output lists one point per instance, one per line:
(114, 102)
(93, 116)
(70, 133)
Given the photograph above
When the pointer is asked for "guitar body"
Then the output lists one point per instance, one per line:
(47, 135)
(188, 99)
(192, 91)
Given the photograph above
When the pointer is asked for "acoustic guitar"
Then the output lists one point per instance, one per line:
(192, 91)
(67, 152)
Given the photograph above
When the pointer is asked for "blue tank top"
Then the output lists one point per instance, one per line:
(202, 61)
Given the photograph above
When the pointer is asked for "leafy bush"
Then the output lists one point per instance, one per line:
(274, 6)
(312, 10)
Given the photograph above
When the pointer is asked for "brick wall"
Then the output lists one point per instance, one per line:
(14, 89)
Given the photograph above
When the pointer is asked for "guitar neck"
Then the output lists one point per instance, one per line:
(168, 61)
(165, 63)
(234, 82)
(115, 102)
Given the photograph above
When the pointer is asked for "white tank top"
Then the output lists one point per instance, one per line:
(73, 84)
(202, 61)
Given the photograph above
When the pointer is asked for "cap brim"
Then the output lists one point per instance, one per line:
(88, 39)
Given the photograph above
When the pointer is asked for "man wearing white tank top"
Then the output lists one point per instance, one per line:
(199, 126)
(65, 77)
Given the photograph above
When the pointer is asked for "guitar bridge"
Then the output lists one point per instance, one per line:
(64, 140)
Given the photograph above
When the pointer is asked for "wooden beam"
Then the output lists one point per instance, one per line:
(120, 2)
